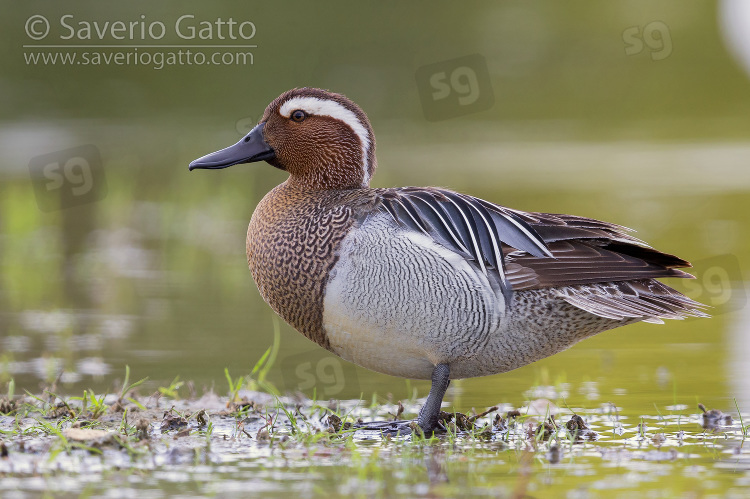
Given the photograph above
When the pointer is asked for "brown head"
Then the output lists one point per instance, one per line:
(321, 138)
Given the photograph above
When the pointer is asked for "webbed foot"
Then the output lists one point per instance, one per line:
(428, 420)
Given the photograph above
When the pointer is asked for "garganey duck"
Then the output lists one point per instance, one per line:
(424, 282)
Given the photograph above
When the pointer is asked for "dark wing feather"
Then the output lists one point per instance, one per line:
(588, 251)
(532, 250)
(441, 229)
(475, 229)
(587, 262)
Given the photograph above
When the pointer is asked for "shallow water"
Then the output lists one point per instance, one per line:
(159, 280)
(259, 451)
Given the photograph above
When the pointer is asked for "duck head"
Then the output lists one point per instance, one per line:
(323, 140)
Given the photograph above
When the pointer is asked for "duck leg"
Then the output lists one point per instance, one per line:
(430, 412)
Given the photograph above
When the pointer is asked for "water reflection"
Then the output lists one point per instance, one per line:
(71, 343)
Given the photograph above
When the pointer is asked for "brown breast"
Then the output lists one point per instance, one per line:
(292, 246)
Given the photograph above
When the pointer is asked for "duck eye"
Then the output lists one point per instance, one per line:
(298, 115)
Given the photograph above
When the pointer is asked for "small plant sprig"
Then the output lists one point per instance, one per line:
(171, 391)
(89, 402)
(257, 377)
(744, 428)
(98, 407)
(266, 361)
(234, 386)
(127, 388)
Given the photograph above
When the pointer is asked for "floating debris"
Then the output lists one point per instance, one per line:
(86, 434)
(659, 439)
(334, 423)
(201, 417)
(543, 430)
(399, 411)
(464, 422)
(576, 423)
(172, 421)
(7, 407)
(714, 418)
(483, 414)
(142, 428)
(579, 429)
(500, 423)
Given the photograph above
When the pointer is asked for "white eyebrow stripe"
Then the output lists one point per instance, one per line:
(325, 107)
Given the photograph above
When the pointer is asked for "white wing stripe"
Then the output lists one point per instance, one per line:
(447, 226)
(474, 242)
(495, 246)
